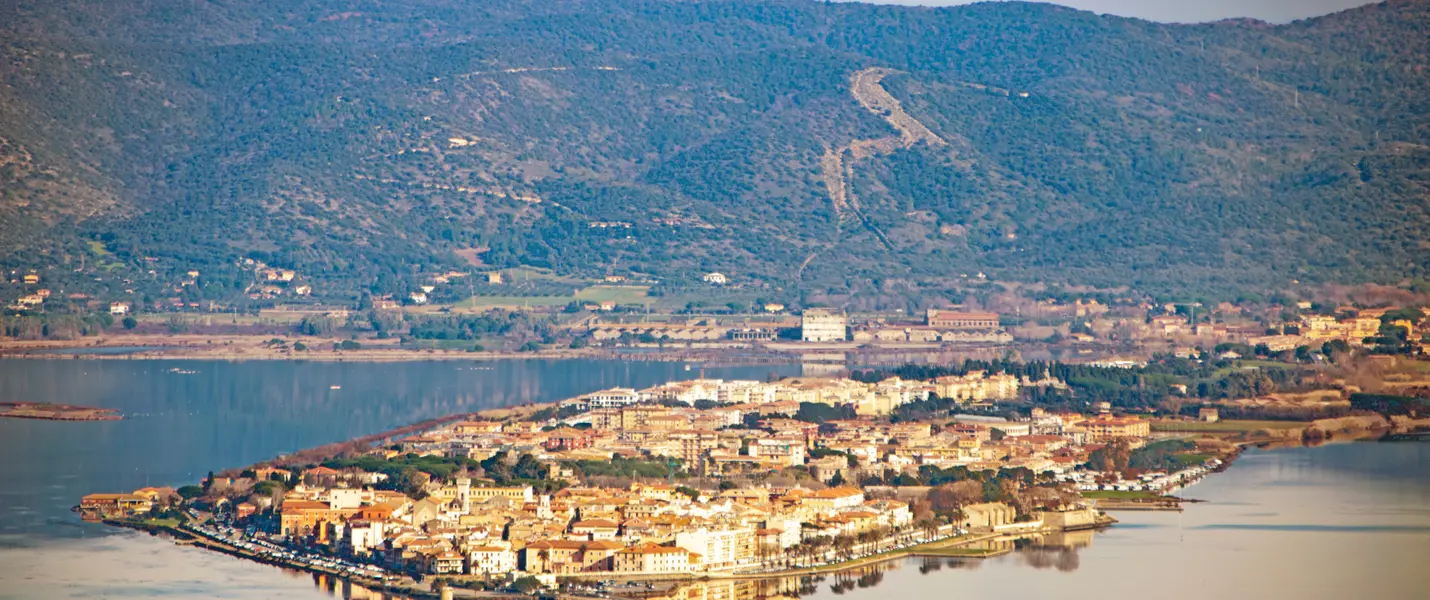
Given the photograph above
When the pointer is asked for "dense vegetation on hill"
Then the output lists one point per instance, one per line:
(365, 143)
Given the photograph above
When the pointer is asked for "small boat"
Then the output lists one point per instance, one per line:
(335, 387)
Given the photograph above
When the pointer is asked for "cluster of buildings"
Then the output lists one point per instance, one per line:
(1352, 326)
(1353, 329)
(467, 524)
(938, 326)
(741, 397)
(37, 299)
(471, 526)
(140, 501)
(815, 325)
(1348, 324)
(30, 301)
(1082, 429)
(33, 300)
(271, 282)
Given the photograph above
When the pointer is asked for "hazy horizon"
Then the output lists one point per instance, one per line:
(1275, 11)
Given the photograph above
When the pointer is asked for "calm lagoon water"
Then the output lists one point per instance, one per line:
(1331, 522)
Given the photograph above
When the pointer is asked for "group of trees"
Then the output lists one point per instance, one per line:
(630, 468)
(1167, 455)
(467, 327)
(1389, 404)
(815, 412)
(1136, 388)
(56, 326)
(955, 488)
(401, 471)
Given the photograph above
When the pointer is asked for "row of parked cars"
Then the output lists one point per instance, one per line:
(253, 542)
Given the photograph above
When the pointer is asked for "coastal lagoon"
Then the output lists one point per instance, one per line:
(184, 418)
(1341, 520)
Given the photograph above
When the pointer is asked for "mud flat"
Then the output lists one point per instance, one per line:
(56, 412)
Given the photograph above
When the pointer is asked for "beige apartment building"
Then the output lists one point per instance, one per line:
(823, 325)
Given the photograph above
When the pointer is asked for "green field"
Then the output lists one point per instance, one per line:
(486, 302)
(1120, 495)
(102, 256)
(620, 294)
(1224, 426)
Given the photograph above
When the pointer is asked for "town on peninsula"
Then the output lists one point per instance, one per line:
(709, 482)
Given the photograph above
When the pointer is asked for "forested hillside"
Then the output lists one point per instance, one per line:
(369, 144)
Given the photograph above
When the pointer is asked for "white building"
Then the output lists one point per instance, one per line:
(977, 386)
(490, 560)
(785, 452)
(823, 325)
(684, 391)
(118, 308)
(718, 548)
(745, 392)
(345, 498)
(834, 499)
(715, 278)
(611, 398)
(788, 530)
(363, 536)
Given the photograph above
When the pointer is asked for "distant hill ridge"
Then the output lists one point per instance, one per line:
(827, 147)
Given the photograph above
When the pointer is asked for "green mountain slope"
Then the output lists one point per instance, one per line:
(366, 143)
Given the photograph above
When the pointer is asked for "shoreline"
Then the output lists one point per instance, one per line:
(1229, 452)
(245, 347)
(934, 549)
(253, 350)
(181, 537)
(57, 412)
(62, 418)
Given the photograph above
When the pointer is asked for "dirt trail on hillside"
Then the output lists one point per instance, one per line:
(867, 88)
(837, 164)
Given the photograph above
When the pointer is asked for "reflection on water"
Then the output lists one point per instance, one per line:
(1330, 522)
(1057, 551)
